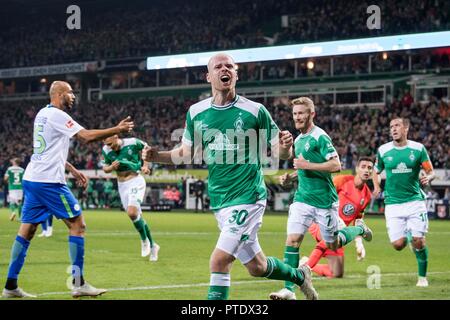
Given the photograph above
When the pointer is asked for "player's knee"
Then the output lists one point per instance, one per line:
(399, 245)
(294, 240)
(418, 243)
(332, 246)
(338, 274)
(258, 270)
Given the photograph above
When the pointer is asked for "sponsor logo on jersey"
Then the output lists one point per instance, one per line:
(222, 142)
(348, 209)
(402, 168)
(69, 124)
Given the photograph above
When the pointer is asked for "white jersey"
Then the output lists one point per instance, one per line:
(53, 129)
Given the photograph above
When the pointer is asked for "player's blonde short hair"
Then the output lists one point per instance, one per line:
(304, 101)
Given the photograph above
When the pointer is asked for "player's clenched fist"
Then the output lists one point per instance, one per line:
(286, 139)
(284, 179)
(126, 125)
(300, 163)
(149, 153)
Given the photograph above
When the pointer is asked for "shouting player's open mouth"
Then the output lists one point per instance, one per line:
(225, 78)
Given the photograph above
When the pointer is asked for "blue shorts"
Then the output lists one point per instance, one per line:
(42, 199)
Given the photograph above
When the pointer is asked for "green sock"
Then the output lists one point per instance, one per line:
(348, 234)
(147, 233)
(278, 270)
(219, 286)
(140, 227)
(12, 207)
(422, 260)
(291, 257)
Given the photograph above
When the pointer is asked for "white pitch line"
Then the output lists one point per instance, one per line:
(206, 284)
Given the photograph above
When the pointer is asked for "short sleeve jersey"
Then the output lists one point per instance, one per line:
(315, 188)
(15, 176)
(129, 155)
(52, 131)
(402, 166)
(231, 138)
(352, 201)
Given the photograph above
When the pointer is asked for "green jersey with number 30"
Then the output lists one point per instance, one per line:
(315, 188)
(232, 138)
(14, 175)
(402, 166)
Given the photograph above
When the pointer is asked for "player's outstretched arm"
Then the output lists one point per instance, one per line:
(86, 136)
(332, 165)
(179, 155)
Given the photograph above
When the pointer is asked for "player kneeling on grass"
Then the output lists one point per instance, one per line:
(124, 157)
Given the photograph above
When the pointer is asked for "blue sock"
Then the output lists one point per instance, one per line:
(76, 252)
(44, 225)
(18, 254)
(50, 220)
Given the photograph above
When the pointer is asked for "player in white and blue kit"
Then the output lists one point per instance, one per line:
(45, 189)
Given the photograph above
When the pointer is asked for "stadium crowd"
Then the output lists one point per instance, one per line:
(355, 131)
(144, 29)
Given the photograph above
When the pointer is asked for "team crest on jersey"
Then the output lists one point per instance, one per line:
(130, 152)
(239, 125)
(307, 146)
(411, 156)
(348, 209)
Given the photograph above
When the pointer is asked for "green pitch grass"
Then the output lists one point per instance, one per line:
(113, 261)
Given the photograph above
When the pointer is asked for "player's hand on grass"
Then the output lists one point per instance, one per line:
(80, 178)
(126, 125)
(149, 153)
(300, 163)
(286, 139)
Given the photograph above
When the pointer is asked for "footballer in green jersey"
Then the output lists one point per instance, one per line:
(408, 167)
(232, 134)
(316, 199)
(13, 177)
(123, 155)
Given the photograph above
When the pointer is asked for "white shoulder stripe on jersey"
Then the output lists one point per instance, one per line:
(106, 149)
(415, 145)
(385, 148)
(128, 141)
(317, 132)
(199, 107)
(248, 105)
